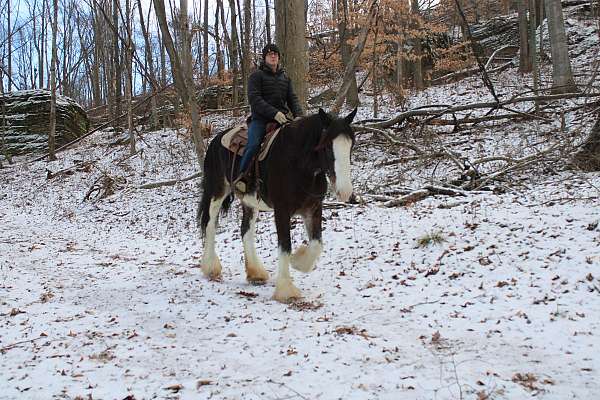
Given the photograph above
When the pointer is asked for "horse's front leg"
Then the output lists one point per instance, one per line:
(284, 288)
(255, 271)
(305, 257)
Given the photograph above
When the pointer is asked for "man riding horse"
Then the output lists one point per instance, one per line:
(308, 155)
(271, 97)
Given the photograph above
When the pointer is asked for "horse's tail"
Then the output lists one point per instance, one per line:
(212, 183)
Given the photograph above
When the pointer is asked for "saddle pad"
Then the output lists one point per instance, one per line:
(236, 139)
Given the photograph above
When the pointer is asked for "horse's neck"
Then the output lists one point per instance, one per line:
(305, 139)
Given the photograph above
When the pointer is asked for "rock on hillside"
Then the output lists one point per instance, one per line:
(25, 121)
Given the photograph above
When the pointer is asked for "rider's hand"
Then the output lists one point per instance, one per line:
(280, 117)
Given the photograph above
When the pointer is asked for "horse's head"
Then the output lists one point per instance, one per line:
(337, 140)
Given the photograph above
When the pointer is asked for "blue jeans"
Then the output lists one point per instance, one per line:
(256, 134)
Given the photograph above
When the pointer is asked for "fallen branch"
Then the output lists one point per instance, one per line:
(420, 194)
(387, 136)
(433, 114)
(468, 72)
(171, 182)
(517, 164)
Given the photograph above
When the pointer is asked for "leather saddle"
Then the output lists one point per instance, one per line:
(236, 139)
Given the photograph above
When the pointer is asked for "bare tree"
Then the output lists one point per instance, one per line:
(129, 78)
(358, 49)
(150, 63)
(524, 57)
(562, 75)
(9, 45)
(52, 132)
(246, 47)
(418, 62)
(205, 71)
(233, 51)
(290, 30)
(182, 69)
(533, 49)
(268, 21)
(118, 72)
(345, 49)
(217, 36)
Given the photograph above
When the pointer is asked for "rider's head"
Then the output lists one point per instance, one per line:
(268, 49)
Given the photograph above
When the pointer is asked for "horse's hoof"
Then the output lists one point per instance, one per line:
(256, 274)
(285, 291)
(305, 258)
(212, 271)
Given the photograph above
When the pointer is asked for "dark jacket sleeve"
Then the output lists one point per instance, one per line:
(292, 101)
(258, 105)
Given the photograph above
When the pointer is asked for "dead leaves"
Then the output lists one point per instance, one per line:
(529, 381)
(248, 295)
(352, 330)
(302, 305)
(104, 356)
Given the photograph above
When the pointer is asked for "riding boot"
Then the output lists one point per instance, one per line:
(240, 183)
(244, 182)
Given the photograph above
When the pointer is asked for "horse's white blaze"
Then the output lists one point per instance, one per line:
(305, 258)
(341, 152)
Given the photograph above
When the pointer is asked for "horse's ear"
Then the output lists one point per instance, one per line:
(325, 118)
(350, 117)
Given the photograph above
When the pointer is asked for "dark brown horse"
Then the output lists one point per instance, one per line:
(292, 182)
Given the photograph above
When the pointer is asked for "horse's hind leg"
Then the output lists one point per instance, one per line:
(211, 266)
(255, 271)
(305, 257)
(284, 288)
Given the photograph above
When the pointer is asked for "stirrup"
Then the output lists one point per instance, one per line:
(240, 184)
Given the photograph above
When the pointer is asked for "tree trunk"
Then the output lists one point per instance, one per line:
(268, 21)
(588, 158)
(246, 56)
(524, 58)
(182, 71)
(43, 46)
(360, 46)
(150, 62)
(400, 66)
(54, 61)
(533, 51)
(233, 52)
(290, 27)
(418, 63)
(9, 44)
(562, 76)
(219, 53)
(188, 74)
(205, 71)
(129, 78)
(342, 9)
(95, 67)
(163, 59)
(118, 77)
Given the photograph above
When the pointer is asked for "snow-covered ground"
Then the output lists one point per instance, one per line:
(103, 298)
